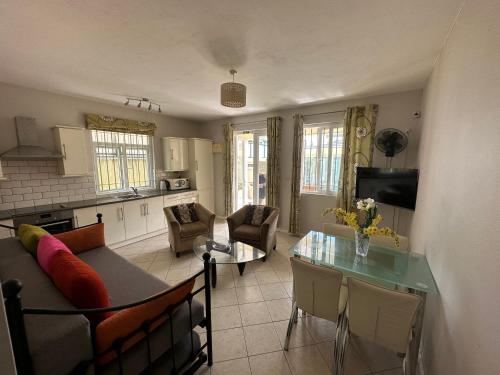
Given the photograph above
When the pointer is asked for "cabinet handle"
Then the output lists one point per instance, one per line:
(147, 209)
(76, 222)
(171, 154)
(120, 213)
(64, 151)
(196, 163)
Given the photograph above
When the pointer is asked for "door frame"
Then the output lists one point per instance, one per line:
(256, 134)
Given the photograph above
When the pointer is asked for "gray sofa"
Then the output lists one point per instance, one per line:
(57, 344)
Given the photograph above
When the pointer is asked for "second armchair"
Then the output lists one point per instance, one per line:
(255, 226)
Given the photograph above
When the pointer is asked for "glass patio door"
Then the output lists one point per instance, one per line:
(250, 167)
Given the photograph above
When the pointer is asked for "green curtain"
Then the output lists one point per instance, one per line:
(273, 161)
(109, 123)
(298, 136)
(228, 169)
(359, 132)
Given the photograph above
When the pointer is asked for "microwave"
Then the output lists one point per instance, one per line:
(177, 183)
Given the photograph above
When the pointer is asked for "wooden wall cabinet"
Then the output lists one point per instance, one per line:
(71, 143)
(175, 154)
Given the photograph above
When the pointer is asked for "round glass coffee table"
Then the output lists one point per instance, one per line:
(224, 251)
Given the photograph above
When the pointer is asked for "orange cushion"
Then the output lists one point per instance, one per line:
(124, 322)
(79, 283)
(83, 239)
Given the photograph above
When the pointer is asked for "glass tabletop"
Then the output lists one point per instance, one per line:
(382, 265)
(224, 251)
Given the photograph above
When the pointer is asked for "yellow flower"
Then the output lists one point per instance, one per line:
(376, 221)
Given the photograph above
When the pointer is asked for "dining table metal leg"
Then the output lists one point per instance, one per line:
(415, 343)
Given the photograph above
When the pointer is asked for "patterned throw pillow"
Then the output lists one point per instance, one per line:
(185, 213)
(256, 214)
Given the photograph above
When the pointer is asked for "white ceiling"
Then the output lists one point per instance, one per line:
(179, 52)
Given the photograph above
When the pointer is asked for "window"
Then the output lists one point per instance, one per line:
(122, 160)
(321, 157)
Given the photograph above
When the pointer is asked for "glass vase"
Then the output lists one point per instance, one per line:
(362, 244)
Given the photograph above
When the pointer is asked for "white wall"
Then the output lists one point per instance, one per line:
(395, 111)
(457, 219)
(51, 109)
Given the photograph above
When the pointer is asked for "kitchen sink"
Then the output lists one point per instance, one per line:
(129, 196)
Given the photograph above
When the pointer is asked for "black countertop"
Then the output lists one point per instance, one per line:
(99, 201)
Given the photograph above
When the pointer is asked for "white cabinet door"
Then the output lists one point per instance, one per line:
(175, 154)
(71, 143)
(114, 225)
(206, 198)
(6, 232)
(154, 214)
(135, 218)
(85, 216)
(203, 164)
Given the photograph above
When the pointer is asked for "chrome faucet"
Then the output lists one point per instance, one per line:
(136, 192)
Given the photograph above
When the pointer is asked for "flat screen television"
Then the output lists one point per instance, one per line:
(396, 187)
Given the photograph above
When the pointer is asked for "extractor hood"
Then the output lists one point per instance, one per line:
(28, 143)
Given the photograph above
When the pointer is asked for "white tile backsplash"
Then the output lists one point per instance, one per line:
(37, 182)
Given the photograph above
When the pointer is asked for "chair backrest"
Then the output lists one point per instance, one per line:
(381, 315)
(316, 289)
(338, 230)
(388, 242)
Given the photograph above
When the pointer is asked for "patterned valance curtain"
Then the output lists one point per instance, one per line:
(273, 161)
(298, 136)
(114, 124)
(359, 133)
(228, 169)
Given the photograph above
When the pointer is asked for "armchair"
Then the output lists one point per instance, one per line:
(261, 236)
(181, 236)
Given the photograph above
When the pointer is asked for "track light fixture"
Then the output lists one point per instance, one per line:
(140, 101)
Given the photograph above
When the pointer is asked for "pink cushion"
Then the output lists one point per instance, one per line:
(48, 246)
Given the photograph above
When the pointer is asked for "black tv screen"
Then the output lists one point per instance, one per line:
(396, 187)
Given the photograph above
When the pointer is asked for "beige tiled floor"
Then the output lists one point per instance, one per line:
(250, 316)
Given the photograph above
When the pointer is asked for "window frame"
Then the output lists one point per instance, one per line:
(330, 126)
(123, 160)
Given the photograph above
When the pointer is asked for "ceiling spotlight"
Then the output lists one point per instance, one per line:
(150, 106)
(139, 105)
(127, 102)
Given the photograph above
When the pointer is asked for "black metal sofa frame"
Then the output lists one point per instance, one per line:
(15, 313)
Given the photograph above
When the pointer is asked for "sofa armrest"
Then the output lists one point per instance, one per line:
(236, 219)
(268, 231)
(174, 228)
(206, 216)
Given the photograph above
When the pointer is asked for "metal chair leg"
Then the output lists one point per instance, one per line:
(290, 325)
(339, 349)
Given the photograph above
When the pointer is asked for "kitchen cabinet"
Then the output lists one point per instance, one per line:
(135, 218)
(175, 154)
(6, 232)
(155, 218)
(71, 143)
(201, 170)
(113, 219)
(85, 216)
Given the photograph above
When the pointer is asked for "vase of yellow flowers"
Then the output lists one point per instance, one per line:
(365, 224)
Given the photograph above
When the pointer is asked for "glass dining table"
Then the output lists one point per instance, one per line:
(386, 267)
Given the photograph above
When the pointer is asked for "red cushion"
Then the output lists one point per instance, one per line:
(47, 247)
(79, 283)
(83, 239)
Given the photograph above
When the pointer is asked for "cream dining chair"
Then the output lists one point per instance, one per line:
(382, 316)
(340, 230)
(318, 291)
